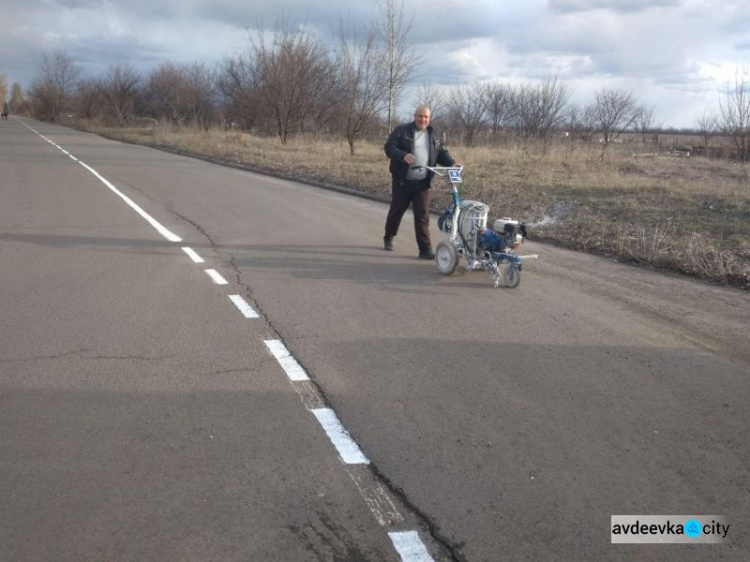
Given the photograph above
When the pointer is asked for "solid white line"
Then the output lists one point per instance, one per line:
(348, 450)
(293, 370)
(216, 276)
(193, 256)
(410, 547)
(244, 308)
(151, 220)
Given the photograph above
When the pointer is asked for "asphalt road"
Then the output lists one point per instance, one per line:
(143, 416)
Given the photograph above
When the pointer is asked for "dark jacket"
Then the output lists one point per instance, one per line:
(401, 142)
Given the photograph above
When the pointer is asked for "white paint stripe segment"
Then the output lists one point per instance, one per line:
(193, 256)
(153, 222)
(410, 547)
(216, 276)
(345, 445)
(246, 310)
(293, 370)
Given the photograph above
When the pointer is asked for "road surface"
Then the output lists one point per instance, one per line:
(201, 363)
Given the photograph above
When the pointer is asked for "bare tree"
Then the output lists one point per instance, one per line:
(292, 70)
(119, 87)
(165, 91)
(644, 121)
(581, 123)
(400, 57)
(52, 89)
(735, 113)
(434, 98)
(3, 88)
(364, 81)
(551, 99)
(467, 109)
(707, 126)
(539, 108)
(17, 103)
(200, 94)
(614, 111)
(87, 97)
(238, 83)
(326, 102)
(499, 104)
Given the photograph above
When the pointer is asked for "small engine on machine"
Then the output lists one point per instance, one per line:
(505, 233)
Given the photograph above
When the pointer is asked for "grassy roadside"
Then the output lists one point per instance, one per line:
(685, 214)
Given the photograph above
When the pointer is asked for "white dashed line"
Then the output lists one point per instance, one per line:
(410, 547)
(246, 310)
(293, 370)
(216, 276)
(407, 543)
(348, 450)
(193, 256)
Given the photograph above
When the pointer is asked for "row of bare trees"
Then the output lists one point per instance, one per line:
(528, 110)
(174, 93)
(289, 82)
(536, 111)
(292, 83)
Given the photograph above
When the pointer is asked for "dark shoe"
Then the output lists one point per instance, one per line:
(428, 255)
(387, 244)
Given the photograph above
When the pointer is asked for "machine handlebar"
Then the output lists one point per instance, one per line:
(443, 171)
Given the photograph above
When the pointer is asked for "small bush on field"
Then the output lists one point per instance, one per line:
(687, 214)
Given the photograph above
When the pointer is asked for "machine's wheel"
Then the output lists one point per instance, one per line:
(446, 257)
(511, 277)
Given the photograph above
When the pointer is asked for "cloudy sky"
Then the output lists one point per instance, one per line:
(676, 55)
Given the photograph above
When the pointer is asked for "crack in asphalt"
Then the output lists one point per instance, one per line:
(83, 351)
(231, 258)
(129, 357)
(44, 357)
(453, 548)
(433, 529)
(228, 371)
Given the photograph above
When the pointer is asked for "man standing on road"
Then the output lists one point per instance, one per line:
(411, 147)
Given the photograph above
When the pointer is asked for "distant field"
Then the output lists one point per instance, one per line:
(689, 214)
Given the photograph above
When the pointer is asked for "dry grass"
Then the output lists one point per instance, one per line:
(686, 214)
(321, 161)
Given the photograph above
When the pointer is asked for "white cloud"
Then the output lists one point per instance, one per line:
(666, 51)
(623, 6)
